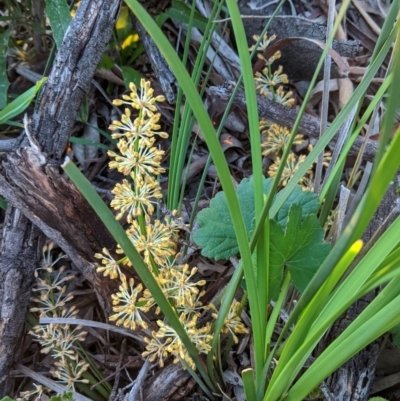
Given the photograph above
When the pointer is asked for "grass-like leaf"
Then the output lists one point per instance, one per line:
(3, 203)
(20, 104)
(181, 12)
(58, 13)
(4, 84)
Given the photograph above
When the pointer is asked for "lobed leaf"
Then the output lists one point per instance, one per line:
(216, 235)
(299, 247)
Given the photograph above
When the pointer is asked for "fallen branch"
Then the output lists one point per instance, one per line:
(218, 97)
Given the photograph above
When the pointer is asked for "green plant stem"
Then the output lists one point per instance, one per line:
(106, 386)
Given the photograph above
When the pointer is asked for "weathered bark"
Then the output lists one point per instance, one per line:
(173, 382)
(21, 249)
(310, 126)
(70, 78)
(298, 58)
(25, 183)
(55, 206)
(158, 63)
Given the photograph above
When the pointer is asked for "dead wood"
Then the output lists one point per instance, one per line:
(310, 126)
(298, 58)
(352, 381)
(71, 75)
(158, 63)
(172, 382)
(70, 78)
(21, 249)
(55, 206)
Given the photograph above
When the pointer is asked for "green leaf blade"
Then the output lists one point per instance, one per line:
(59, 17)
(181, 12)
(20, 104)
(4, 84)
(216, 219)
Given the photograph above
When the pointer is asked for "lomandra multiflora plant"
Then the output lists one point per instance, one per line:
(156, 240)
(274, 137)
(52, 299)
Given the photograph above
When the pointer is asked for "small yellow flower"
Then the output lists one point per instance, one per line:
(201, 337)
(136, 201)
(292, 164)
(38, 391)
(269, 61)
(110, 266)
(127, 307)
(142, 128)
(156, 349)
(262, 46)
(233, 323)
(275, 139)
(145, 160)
(179, 285)
(145, 101)
(58, 339)
(267, 80)
(174, 346)
(284, 98)
(158, 242)
(70, 373)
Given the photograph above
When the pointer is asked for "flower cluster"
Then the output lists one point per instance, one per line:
(38, 391)
(57, 339)
(136, 198)
(233, 323)
(268, 83)
(274, 137)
